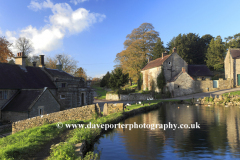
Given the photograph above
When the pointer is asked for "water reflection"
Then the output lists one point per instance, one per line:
(218, 136)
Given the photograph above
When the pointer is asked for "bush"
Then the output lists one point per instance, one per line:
(126, 91)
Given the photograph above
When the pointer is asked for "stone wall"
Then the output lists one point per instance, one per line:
(129, 97)
(207, 85)
(80, 113)
(110, 108)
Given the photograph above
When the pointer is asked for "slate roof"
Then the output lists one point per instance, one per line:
(155, 63)
(58, 73)
(199, 70)
(13, 77)
(235, 53)
(174, 78)
(22, 101)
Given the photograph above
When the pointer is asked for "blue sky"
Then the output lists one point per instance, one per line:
(93, 31)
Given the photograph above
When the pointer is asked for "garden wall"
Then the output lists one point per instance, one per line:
(129, 97)
(110, 108)
(79, 113)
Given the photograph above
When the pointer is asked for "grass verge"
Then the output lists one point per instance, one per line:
(101, 92)
(232, 93)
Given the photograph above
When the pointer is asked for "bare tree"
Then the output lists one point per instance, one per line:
(69, 65)
(24, 45)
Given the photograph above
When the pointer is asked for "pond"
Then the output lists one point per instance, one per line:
(217, 138)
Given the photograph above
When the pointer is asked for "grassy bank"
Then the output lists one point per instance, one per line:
(27, 143)
(232, 93)
(101, 92)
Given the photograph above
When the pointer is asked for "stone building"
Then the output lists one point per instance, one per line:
(29, 91)
(178, 74)
(232, 65)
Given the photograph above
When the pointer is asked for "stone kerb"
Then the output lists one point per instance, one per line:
(79, 113)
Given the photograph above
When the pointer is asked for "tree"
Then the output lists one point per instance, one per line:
(140, 81)
(138, 45)
(105, 80)
(69, 65)
(80, 72)
(191, 47)
(233, 41)
(215, 54)
(24, 45)
(161, 82)
(158, 49)
(5, 52)
(118, 79)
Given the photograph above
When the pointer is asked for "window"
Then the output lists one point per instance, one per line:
(177, 86)
(63, 85)
(62, 96)
(3, 94)
(40, 112)
(169, 63)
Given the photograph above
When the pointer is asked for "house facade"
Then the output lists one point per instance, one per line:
(178, 74)
(29, 91)
(232, 65)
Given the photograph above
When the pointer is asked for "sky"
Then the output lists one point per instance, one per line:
(92, 32)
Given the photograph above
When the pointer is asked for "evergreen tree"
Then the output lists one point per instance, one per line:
(215, 54)
(158, 49)
(118, 79)
(105, 80)
(140, 81)
(161, 82)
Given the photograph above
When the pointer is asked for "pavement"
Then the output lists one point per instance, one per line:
(196, 95)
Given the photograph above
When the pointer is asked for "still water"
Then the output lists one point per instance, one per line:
(217, 138)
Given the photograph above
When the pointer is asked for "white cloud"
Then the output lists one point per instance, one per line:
(34, 5)
(64, 21)
(77, 1)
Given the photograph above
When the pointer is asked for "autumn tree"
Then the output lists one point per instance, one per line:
(80, 72)
(215, 54)
(118, 79)
(69, 65)
(138, 45)
(5, 52)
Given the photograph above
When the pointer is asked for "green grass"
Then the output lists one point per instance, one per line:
(232, 93)
(101, 92)
(25, 143)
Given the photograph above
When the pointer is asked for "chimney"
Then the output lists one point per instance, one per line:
(21, 60)
(34, 64)
(174, 50)
(183, 69)
(164, 54)
(59, 64)
(41, 61)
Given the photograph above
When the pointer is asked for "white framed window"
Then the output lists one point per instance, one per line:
(3, 94)
(62, 96)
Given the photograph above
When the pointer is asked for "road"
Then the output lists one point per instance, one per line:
(196, 95)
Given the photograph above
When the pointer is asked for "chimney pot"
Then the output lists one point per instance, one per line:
(34, 64)
(164, 54)
(183, 69)
(174, 50)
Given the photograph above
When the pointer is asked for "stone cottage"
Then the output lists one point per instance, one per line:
(29, 91)
(178, 74)
(232, 65)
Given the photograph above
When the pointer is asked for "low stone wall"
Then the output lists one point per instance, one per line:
(129, 97)
(110, 108)
(79, 113)
(221, 100)
(5, 127)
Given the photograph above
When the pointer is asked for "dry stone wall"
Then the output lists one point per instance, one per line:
(79, 113)
(129, 97)
(110, 108)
